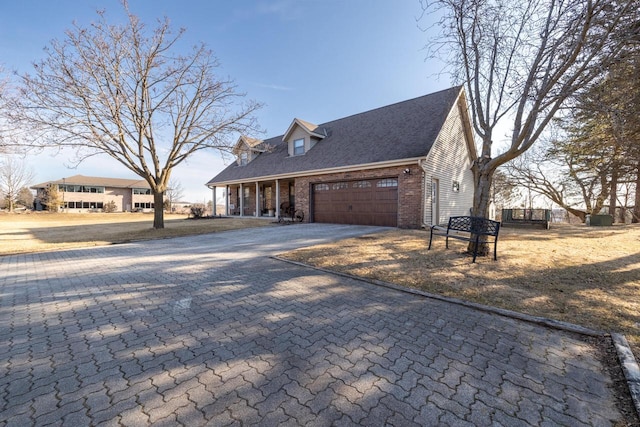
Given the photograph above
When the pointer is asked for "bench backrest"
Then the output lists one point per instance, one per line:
(474, 225)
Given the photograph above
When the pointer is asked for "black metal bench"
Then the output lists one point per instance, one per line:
(480, 230)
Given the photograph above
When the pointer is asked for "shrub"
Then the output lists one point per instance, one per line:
(198, 210)
(110, 207)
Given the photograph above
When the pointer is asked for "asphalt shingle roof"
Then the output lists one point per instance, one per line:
(405, 130)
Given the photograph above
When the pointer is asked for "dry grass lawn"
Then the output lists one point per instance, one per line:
(588, 276)
(43, 231)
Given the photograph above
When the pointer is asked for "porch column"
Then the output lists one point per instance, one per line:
(277, 199)
(226, 200)
(241, 201)
(214, 201)
(257, 199)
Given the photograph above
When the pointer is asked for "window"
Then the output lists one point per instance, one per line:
(340, 185)
(298, 147)
(80, 189)
(361, 184)
(143, 205)
(389, 182)
(141, 191)
(246, 199)
(244, 158)
(292, 194)
(322, 187)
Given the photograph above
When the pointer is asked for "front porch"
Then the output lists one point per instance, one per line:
(261, 199)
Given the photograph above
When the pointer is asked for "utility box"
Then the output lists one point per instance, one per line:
(601, 220)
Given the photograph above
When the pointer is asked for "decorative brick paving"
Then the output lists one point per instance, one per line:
(209, 330)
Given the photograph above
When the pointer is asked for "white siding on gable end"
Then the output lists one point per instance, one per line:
(449, 162)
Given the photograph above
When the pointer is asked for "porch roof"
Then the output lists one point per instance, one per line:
(405, 130)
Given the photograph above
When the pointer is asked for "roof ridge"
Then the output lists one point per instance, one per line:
(453, 88)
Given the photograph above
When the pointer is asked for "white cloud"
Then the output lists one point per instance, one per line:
(274, 86)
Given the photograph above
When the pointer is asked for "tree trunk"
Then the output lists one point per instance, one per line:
(481, 201)
(158, 210)
(580, 214)
(613, 196)
(622, 214)
(482, 194)
(635, 218)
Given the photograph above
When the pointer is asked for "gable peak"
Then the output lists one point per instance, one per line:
(310, 128)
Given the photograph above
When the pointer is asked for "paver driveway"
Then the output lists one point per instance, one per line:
(210, 330)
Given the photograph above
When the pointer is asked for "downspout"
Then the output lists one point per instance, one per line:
(425, 196)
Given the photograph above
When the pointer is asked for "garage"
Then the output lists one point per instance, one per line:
(363, 202)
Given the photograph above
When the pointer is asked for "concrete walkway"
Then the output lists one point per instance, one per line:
(209, 330)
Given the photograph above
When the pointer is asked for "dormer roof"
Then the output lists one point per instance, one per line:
(308, 127)
(246, 142)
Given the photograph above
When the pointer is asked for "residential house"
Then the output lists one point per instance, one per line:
(404, 165)
(81, 193)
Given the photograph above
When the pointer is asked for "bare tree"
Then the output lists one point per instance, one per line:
(174, 193)
(15, 174)
(3, 122)
(25, 197)
(505, 191)
(124, 91)
(520, 61)
(580, 188)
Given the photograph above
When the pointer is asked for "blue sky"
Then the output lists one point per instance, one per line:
(318, 60)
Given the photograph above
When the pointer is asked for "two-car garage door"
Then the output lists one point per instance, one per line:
(364, 202)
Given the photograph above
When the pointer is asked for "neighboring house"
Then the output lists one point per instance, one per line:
(404, 165)
(80, 193)
(181, 207)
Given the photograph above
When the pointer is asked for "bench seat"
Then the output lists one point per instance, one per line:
(470, 229)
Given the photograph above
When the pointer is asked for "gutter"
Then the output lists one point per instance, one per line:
(316, 172)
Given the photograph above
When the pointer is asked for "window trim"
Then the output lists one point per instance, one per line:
(301, 147)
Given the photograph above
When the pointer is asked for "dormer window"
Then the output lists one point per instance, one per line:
(298, 147)
(247, 149)
(302, 136)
